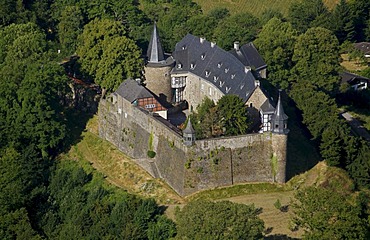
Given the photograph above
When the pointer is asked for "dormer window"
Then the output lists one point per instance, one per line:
(208, 73)
(232, 76)
(227, 70)
(215, 78)
(203, 56)
(241, 86)
(221, 84)
(184, 47)
(228, 89)
(192, 65)
(179, 65)
(219, 65)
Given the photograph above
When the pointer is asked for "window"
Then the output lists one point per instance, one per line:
(208, 73)
(251, 105)
(202, 87)
(210, 91)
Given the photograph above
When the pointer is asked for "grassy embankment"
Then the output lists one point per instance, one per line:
(256, 7)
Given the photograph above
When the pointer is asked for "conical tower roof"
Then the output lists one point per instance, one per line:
(189, 128)
(279, 111)
(155, 51)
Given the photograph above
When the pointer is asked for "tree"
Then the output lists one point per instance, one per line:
(233, 115)
(325, 214)
(69, 28)
(316, 57)
(360, 10)
(107, 54)
(307, 13)
(218, 220)
(203, 121)
(341, 22)
(359, 168)
(276, 44)
(270, 14)
(239, 27)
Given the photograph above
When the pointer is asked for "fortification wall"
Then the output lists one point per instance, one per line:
(207, 164)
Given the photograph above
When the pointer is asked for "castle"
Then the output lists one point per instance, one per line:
(138, 119)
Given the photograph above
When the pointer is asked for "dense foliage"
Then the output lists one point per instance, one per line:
(218, 220)
(228, 118)
(326, 214)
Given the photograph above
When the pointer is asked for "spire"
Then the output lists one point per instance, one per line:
(189, 134)
(279, 119)
(155, 52)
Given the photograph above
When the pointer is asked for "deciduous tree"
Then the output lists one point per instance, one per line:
(276, 44)
(107, 54)
(239, 27)
(325, 214)
(219, 220)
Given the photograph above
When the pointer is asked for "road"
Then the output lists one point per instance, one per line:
(356, 126)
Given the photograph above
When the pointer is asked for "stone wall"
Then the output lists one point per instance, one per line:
(207, 164)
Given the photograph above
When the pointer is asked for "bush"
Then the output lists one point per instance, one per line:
(151, 154)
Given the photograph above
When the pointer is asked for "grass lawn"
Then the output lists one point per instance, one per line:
(256, 7)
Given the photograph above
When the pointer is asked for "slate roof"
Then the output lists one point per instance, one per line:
(267, 107)
(213, 64)
(155, 51)
(189, 128)
(131, 90)
(363, 46)
(249, 56)
(347, 77)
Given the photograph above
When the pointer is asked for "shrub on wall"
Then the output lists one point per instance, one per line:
(151, 154)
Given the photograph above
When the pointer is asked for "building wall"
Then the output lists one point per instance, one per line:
(207, 164)
(254, 103)
(197, 89)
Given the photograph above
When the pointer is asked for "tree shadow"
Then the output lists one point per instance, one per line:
(77, 117)
(302, 151)
(279, 237)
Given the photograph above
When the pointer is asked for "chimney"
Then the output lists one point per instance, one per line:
(236, 46)
(202, 39)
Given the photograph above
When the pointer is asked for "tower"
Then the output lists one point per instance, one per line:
(158, 68)
(279, 142)
(188, 134)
